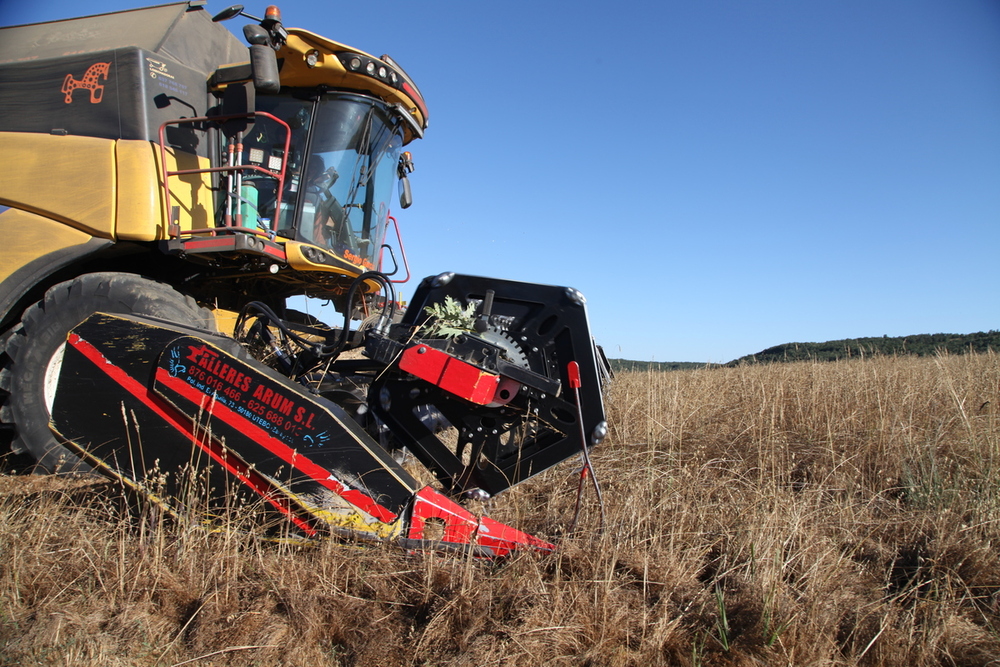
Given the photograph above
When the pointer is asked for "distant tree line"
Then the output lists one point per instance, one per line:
(619, 365)
(920, 345)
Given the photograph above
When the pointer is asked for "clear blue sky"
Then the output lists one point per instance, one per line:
(716, 176)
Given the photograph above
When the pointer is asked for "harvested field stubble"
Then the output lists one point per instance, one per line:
(807, 514)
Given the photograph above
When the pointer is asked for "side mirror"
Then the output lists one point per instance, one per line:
(264, 63)
(264, 40)
(228, 13)
(405, 167)
(263, 59)
(405, 196)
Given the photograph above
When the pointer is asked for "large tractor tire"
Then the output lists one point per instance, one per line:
(32, 351)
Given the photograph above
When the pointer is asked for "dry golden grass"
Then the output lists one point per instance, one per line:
(803, 514)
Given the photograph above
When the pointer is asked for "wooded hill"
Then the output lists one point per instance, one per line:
(920, 345)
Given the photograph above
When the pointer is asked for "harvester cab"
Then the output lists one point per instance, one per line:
(144, 332)
(308, 148)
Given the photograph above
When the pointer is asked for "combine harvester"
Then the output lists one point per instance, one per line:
(159, 206)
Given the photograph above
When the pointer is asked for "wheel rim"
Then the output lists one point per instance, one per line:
(51, 378)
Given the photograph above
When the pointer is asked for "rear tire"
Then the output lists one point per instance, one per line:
(32, 352)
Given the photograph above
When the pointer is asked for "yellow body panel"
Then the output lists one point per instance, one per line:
(69, 179)
(140, 203)
(108, 189)
(140, 208)
(298, 261)
(225, 320)
(27, 236)
(328, 70)
(191, 193)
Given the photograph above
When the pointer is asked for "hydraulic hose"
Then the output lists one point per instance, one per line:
(388, 310)
(322, 351)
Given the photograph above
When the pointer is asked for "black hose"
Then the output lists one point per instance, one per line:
(389, 307)
(323, 351)
(264, 310)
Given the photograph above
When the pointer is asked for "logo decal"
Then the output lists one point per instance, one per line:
(89, 82)
(157, 68)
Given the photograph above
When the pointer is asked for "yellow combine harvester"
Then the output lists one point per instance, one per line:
(162, 195)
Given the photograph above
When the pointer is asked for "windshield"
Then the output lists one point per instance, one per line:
(340, 172)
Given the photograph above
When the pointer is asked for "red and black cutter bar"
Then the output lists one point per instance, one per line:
(142, 401)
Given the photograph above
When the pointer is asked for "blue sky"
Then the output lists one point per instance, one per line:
(716, 176)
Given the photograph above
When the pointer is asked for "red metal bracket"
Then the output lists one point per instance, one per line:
(450, 373)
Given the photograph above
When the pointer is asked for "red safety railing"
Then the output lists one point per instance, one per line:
(402, 252)
(235, 169)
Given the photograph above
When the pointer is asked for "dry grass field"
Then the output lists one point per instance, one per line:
(840, 513)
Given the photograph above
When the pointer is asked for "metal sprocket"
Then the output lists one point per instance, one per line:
(506, 342)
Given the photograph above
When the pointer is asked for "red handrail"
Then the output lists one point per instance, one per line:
(402, 252)
(168, 196)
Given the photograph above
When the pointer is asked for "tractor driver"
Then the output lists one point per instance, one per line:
(330, 219)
